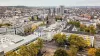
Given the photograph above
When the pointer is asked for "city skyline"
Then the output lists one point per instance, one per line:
(50, 2)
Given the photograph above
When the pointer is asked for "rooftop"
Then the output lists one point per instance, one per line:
(12, 42)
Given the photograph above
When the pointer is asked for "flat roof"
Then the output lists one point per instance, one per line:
(11, 45)
(25, 41)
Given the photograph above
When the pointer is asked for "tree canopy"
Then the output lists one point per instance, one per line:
(91, 52)
(73, 51)
(11, 53)
(60, 52)
(60, 38)
(76, 41)
(97, 52)
(75, 23)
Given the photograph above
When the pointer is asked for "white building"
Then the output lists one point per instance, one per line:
(48, 33)
(97, 41)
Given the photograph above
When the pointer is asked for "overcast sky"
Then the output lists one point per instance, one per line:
(50, 2)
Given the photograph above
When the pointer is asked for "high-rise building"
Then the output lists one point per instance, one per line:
(61, 10)
(57, 10)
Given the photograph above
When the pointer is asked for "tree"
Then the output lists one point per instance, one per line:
(42, 24)
(87, 41)
(7, 24)
(60, 38)
(97, 52)
(92, 29)
(31, 18)
(36, 47)
(28, 30)
(77, 41)
(82, 27)
(34, 27)
(87, 30)
(11, 53)
(60, 52)
(39, 43)
(1, 25)
(33, 49)
(91, 52)
(24, 51)
(36, 17)
(73, 51)
(75, 23)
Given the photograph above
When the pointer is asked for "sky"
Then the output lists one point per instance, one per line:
(50, 2)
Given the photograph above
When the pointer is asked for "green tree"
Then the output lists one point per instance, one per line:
(92, 29)
(30, 18)
(73, 51)
(36, 17)
(7, 24)
(82, 27)
(97, 52)
(87, 30)
(36, 47)
(33, 28)
(1, 25)
(75, 23)
(11, 53)
(60, 39)
(39, 43)
(77, 41)
(24, 51)
(28, 31)
(60, 52)
(33, 49)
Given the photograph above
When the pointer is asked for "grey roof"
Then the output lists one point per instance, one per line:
(25, 41)
(12, 42)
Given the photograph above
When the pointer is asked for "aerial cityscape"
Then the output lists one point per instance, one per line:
(49, 28)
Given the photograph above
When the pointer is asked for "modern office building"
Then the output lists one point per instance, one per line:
(61, 10)
(57, 10)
